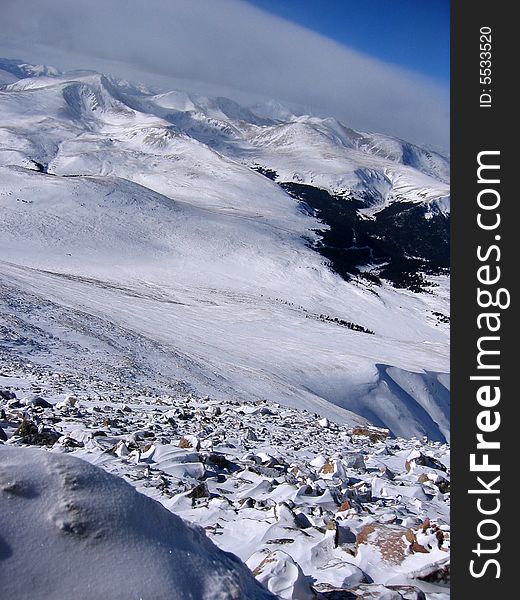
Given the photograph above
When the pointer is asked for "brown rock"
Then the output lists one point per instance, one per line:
(331, 525)
(416, 547)
(26, 428)
(438, 572)
(189, 441)
(328, 467)
(372, 433)
(393, 541)
(439, 534)
(29, 433)
(219, 460)
(199, 491)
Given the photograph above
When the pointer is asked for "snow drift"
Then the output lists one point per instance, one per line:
(71, 530)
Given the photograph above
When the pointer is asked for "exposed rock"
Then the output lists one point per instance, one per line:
(438, 572)
(199, 491)
(355, 461)
(39, 402)
(408, 592)
(374, 434)
(7, 394)
(393, 542)
(416, 458)
(219, 460)
(370, 592)
(189, 441)
(29, 433)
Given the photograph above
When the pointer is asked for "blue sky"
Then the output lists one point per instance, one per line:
(414, 34)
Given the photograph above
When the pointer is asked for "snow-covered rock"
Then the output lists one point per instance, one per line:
(278, 572)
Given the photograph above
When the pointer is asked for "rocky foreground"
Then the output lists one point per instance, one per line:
(316, 510)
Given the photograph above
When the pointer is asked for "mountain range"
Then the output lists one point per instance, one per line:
(244, 252)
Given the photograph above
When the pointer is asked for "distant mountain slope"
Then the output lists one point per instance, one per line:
(135, 224)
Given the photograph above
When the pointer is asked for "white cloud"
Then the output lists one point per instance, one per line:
(231, 48)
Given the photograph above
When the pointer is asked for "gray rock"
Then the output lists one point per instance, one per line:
(39, 402)
(355, 461)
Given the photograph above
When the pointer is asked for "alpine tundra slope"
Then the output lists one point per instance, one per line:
(240, 312)
(156, 237)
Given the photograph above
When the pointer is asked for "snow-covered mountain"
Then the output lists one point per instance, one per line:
(244, 251)
(217, 303)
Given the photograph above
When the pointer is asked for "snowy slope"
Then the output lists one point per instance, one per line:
(133, 225)
(305, 149)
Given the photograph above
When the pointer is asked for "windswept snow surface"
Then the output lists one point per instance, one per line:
(138, 243)
(72, 530)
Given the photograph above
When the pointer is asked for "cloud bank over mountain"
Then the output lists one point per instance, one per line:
(230, 48)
